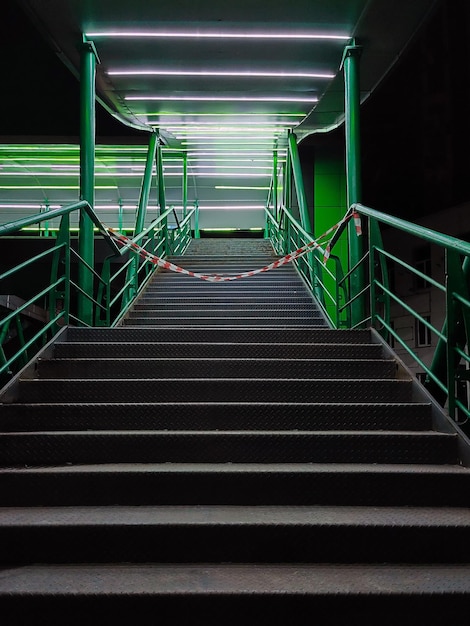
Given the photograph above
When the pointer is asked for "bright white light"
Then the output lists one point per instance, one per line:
(132, 34)
(232, 207)
(30, 206)
(234, 74)
(223, 174)
(221, 98)
(238, 152)
(241, 187)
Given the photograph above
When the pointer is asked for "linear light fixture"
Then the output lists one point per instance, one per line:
(227, 34)
(223, 153)
(170, 98)
(237, 187)
(69, 187)
(225, 73)
(234, 115)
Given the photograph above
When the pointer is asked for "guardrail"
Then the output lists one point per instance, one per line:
(50, 278)
(324, 279)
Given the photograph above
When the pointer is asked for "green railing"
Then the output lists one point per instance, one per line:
(325, 280)
(115, 294)
(385, 301)
(48, 280)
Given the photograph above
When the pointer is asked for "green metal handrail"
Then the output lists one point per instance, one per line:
(59, 293)
(454, 337)
(324, 279)
(157, 239)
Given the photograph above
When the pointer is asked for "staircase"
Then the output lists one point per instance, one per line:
(224, 454)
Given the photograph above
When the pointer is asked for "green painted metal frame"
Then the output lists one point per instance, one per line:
(311, 266)
(107, 308)
(350, 65)
(88, 60)
(454, 337)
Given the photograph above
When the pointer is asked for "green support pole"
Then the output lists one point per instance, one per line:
(287, 182)
(299, 183)
(275, 183)
(146, 184)
(88, 62)
(132, 274)
(162, 195)
(185, 185)
(197, 233)
(350, 66)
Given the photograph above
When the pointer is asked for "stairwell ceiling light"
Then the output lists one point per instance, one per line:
(228, 34)
(236, 116)
(224, 74)
(309, 100)
(241, 187)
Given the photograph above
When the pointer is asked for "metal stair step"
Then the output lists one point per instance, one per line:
(228, 321)
(355, 484)
(210, 312)
(215, 416)
(219, 307)
(235, 534)
(153, 368)
(214, 390)
(273, 592)
(227, 447)
(236, 335)
(216, 350)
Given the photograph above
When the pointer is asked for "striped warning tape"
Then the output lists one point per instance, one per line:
(337, 229)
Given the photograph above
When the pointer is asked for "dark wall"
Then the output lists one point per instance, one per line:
(416, 127)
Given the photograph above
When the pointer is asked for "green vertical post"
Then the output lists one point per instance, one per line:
(287, 181)
(120, 215)
(299, 183)
(132, 274)
(146, 184)
(185, 185)
(88, 61)
(197, 233)
(275, 183)
(350, 66)
(162, 195)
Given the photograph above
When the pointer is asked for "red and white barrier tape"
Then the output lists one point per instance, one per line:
(216, 278)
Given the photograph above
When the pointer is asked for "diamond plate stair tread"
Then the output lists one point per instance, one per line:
(133, 367)
(191, 308)
(253, 312)
(227, 322)
(214, 390)
(227, 447)
(214, 349)
(236, 484)
(224, 515)
(298, 580)
(238, 335)
(217, 416)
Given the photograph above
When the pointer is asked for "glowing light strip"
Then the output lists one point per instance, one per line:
(155, 34)
(228, 74)
(69, 187)
(234, 115)
(201, 125)
(224, 153)
(241, 187)
(170, 98)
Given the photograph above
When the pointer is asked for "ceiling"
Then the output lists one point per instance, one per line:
(223, 81)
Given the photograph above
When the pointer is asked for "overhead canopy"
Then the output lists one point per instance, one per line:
(223, 81)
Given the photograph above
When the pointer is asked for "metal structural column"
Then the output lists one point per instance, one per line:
(350, 66)
(299, 183)
(275, 211)
(185, 185)
(89, 58)
(142, 208)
